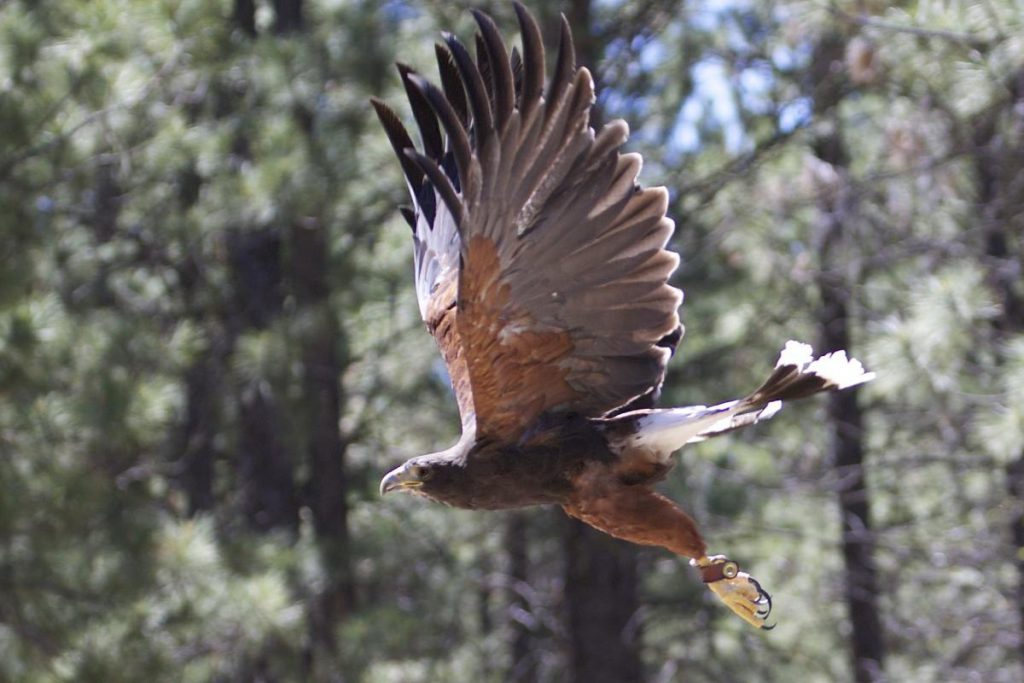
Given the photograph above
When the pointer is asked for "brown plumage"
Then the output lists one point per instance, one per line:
(541, 271)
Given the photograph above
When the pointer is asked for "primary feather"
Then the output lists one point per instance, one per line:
(541, 267)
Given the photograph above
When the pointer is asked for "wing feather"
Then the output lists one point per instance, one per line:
(542, 272)
(451, 84)
(532, 62)
(502, 78)
(433, 144)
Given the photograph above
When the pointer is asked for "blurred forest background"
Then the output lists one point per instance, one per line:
(202, 269)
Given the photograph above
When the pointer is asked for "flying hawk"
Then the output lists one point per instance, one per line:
(542, 273)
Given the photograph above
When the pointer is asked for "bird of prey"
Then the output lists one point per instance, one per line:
(542, 272)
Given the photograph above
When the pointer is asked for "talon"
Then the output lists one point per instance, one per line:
(764, 599)
(741, 592)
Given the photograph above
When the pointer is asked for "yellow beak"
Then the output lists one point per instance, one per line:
(399, 478)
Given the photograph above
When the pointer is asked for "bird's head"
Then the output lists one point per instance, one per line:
(435, 475)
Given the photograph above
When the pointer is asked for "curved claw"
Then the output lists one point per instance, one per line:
(740, 592)
(764, 600)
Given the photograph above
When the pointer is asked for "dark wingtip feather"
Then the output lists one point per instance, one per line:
(458, 140)
(533, 59)
(517, 73)
(400, 140)
(479, 103)
(433, 144)
(440, 182)
(409, 215)
(501, 72)
(565, 63)
(483, 63)
(454, 91)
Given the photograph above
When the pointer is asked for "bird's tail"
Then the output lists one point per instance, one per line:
(798, 374)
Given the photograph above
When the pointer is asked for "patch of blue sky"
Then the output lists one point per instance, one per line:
(399, 10)
(712, 106)
(721, 96)
(710, 14)
(651, 54)
(795, 114)
(755, 89)
(791, 57)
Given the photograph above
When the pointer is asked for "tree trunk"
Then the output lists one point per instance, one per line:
(264, 463)
(845, 416)
(265, 466)
(846, 422)
(244, 16)
(1003, 267)
(197, 443)
(601, 602)
(327, 488)
(288, 16)
(523, 665)
(601, 573)
(1015, 484)
(999, 165)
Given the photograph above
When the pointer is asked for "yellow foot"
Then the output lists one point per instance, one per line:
(738, 590)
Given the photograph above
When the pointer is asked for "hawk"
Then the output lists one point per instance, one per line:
(542, 273)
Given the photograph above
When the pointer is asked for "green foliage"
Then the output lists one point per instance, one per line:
(160, 169)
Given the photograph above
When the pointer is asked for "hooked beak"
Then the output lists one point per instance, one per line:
(399, 478)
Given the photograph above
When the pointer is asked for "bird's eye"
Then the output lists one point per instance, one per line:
(421, 472)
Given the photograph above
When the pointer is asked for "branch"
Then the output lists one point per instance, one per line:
(710, 185)
(10, 163)
(965, 39)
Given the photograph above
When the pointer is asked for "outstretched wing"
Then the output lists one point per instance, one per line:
(436, 244)
(557, 295)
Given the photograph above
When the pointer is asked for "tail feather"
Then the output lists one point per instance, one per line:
(798, 374)
(737, 421)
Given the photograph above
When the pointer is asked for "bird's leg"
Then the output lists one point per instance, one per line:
(640, 515)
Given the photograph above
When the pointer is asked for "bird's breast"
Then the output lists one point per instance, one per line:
(538, 471)
(517, 478)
